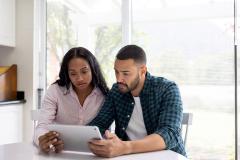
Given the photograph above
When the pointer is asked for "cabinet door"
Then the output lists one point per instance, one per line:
(7, 23)
(11, 123)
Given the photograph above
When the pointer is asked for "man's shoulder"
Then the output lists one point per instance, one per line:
(115, 87)
(162, 82)
(114, 91)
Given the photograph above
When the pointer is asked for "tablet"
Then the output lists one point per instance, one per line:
(76, 137)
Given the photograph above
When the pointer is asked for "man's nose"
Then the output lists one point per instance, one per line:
(119, 78)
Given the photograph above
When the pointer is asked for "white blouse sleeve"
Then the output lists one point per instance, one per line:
(47, 112)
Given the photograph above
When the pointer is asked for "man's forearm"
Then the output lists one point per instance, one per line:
(153, 142)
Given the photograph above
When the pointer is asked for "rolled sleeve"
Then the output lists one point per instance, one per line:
(170, 117)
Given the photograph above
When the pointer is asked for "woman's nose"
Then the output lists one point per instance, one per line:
(79, 78)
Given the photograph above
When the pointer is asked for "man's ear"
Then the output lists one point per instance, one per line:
(143, 69)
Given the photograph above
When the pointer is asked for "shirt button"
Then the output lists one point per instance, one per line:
(128, 116)
(123, 128)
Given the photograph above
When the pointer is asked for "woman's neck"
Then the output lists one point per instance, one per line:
(82, 94)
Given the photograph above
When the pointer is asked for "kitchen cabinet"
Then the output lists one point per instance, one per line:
(7, 23)
(11, 123)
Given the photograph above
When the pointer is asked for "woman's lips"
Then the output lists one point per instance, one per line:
(81, 84)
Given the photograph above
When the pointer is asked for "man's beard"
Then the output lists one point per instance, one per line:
(129, 88)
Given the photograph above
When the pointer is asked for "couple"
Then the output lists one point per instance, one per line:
(147, 110)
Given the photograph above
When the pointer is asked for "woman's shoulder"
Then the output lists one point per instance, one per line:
(55, 89)
(98, 92)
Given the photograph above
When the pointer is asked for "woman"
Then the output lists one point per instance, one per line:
(75, 98)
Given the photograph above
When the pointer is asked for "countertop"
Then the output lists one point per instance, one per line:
(12, 102)
(20, 99)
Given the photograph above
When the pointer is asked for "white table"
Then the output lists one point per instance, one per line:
(27, 151)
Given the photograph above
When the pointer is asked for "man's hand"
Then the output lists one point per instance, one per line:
(112, 146)
(50, 142)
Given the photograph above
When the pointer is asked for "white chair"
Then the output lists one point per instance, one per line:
(186, 121)
(35, 114)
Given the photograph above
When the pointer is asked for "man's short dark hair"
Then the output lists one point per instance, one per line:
(132, 52)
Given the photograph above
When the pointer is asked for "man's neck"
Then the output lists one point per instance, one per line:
(137, 91)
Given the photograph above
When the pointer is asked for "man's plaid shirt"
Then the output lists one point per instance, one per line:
(161, 106)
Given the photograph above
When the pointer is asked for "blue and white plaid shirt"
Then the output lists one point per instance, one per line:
(161, 106)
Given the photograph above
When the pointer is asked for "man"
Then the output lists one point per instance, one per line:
(147, 110)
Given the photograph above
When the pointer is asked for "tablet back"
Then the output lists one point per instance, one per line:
(76, 137)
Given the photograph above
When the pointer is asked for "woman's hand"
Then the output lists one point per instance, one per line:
(50, 142)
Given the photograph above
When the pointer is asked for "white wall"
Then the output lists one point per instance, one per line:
(22, 55)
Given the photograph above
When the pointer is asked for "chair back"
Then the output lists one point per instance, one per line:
(186, 121)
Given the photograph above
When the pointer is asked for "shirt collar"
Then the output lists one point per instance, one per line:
(95, 91)
(145, 89)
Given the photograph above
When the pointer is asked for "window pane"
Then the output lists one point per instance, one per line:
(191, 43)
(93, 24)
(238, 72)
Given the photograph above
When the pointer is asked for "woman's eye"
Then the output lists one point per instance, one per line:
(84, 71)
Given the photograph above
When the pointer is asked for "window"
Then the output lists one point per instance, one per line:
(194, 49)
(189, 42)
(93, 24)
